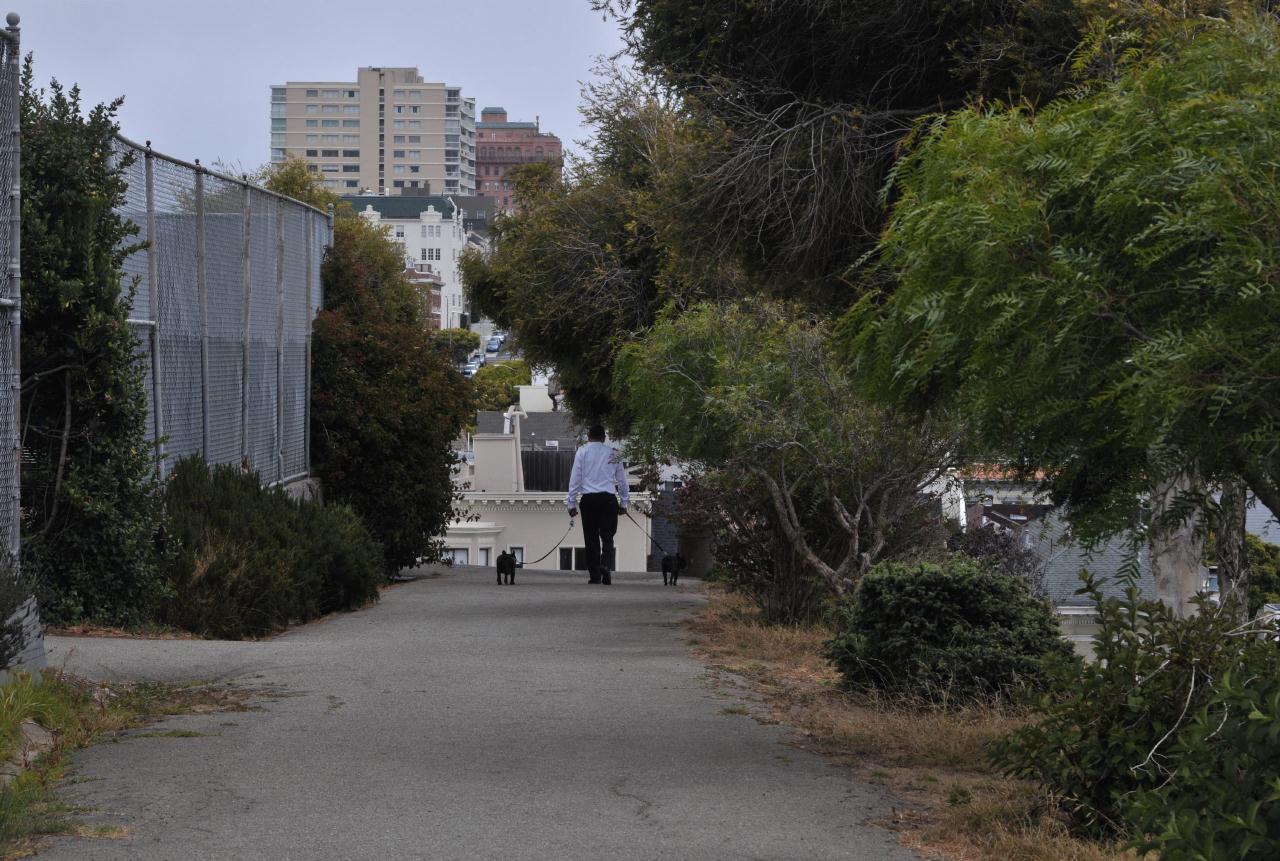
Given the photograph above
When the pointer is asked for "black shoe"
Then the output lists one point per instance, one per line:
(606, 579)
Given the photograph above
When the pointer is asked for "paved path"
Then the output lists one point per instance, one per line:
(462, 720)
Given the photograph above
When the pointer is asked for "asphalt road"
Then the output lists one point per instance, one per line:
(462, 720)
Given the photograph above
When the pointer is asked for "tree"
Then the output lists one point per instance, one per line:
(1095, 284)
(90, 515)
(846, 483)
(456, 344)
(575, 272)
(495, 385)
(386, 404)
(295, 178)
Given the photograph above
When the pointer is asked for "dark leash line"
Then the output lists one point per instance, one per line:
(664, 550)
(556, 546)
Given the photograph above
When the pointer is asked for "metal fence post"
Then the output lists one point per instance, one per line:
(153, 292)
(279, 342)
(245, 456)
(307, 316)
(202, 288)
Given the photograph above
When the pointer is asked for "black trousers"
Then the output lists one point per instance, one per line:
(599, 525)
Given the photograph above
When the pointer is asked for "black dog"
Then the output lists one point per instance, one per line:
(672, 566)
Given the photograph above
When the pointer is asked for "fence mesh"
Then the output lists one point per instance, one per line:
(226, 291)
(10, 330)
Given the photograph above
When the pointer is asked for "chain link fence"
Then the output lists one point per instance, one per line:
(224, 295)
(10, 330)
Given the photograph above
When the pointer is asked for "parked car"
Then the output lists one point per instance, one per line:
(470, 369)
(494, 345)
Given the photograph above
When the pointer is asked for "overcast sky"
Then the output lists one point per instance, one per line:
(196, 77)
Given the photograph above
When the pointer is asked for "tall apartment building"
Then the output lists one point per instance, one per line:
(502, 145)
(389, 132)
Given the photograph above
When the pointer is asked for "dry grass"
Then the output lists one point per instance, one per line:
(932, 758)
(79, 712)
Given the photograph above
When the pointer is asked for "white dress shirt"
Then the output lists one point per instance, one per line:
(597, 468)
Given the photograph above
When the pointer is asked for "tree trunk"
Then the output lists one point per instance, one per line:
(1177, 552)
(1233, 561)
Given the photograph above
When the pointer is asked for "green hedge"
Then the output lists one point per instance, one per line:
(243, 560)
(950, 632)
(1171, 732)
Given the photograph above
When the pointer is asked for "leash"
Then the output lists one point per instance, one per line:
(664, 550)
(554, 547)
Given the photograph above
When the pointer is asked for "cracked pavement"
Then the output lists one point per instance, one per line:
(458, 719)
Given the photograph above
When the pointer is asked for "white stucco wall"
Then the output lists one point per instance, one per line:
(535, 522)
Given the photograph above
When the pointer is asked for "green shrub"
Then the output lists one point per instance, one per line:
(244, 560)
(89, 508)
(956, 631)
(1110, 728)
(1224, 799)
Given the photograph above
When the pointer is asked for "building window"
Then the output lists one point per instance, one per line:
(352, 183)
(399, 109)
(351, 168)
(328, 153)
(313, 138)
(397, 153)
(351, 124)
(313, 153)
(277, 155)
(397, 138)
(313, 94)
(347, 139)
(398, 94)
(313, 109)
(353, 94)
(311, 124)
(329, 109)
(413, 168)
(413, 109)
(415, 154)
(485, 553)
(415, 94)
(415, 138)
(415, 124)
(455, 555)
(399, 183)
(328, 138)
(278, 110)
(399, 168)
(328, 94)
(277, 94)
(399, 124)
(399, 231)
(351, 153)
(328, 168)
(328, 124)
(351, 109)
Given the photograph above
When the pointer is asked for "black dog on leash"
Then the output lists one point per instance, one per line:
(672, 566)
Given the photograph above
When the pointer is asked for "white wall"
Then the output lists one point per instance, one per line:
(535, 522)
(431, 232)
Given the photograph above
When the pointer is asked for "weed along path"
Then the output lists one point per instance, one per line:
(462, 720)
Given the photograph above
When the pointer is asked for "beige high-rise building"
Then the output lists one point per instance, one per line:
(390, 132)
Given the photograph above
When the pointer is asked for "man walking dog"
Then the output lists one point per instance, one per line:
(597, 475)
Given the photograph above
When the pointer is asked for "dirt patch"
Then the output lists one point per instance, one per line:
(954, 805)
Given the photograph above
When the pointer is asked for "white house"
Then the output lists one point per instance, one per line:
(504, 510)
(433, 231)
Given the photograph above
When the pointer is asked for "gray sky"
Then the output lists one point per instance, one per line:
(196, 76)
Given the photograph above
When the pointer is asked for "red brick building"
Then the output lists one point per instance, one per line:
(503, 145)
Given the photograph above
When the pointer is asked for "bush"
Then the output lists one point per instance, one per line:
(956, 631)
(89, 508)
(1224, 799)
(1110, 729)
(244, 560)
(14, 595)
